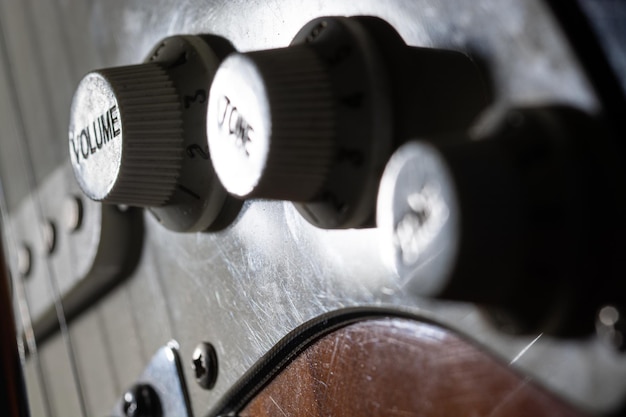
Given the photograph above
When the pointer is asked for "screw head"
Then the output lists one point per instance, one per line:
(204, 365)
(73, 213)
(49, 236)
(142, 401)
(24, 260)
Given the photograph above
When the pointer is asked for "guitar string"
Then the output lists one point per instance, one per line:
(10, 243)
(65, 29)
(96, 60)
(62, 30)
(26, 156)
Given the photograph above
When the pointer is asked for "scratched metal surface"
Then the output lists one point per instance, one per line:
(246, 287)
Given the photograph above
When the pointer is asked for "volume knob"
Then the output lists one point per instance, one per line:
(125, 135)
(137, 135)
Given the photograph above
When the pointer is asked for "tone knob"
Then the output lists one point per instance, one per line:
(137, 136)
(125, 135)
(314, 122)
(507, 220)
(271, 124)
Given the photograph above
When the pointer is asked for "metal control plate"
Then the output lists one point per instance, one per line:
(245, 287)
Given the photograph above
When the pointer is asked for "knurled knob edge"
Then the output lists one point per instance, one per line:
(303, 126)
(152, 134)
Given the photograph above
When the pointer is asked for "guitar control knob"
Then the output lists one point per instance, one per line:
(137, 137)
(272, 124)
(314, 122)
(126, 135)
(503, 222)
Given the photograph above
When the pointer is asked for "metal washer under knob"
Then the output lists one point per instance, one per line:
(137, 135)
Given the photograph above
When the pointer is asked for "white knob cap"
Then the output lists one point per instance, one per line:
(271, 124)
(125, 135)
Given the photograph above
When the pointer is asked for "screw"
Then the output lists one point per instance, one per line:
(204, 365)
(142, 401)
(49, 236)
(73, 213)
(24, 260)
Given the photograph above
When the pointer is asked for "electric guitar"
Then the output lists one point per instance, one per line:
(329, 208)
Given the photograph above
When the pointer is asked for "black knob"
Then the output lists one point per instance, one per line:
(523, 221)
(314, 122)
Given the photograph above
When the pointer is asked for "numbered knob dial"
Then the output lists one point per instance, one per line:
(315, 122)
(137, 136)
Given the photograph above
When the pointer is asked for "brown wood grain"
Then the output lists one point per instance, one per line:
(400, 367)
